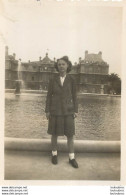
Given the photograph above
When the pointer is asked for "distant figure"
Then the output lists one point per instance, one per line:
(61, 108)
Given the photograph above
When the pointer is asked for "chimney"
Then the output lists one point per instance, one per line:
(80, 60)
(100, 54)
(14, 55)
(54, 59)
(40, 58)
(6, 51)
(28, 61)
(86, 53)
(46, 54)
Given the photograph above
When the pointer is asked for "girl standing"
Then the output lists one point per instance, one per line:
(61, 108)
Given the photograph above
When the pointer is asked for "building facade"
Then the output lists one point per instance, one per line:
(90, 73)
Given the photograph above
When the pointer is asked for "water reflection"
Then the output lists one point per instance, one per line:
(98, 117)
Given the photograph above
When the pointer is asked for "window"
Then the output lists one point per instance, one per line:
(85, 79)
(93, 79)
(9, 75)
(86, 69)
(90, 69)
(25, 67)
(32, 78)
(99, 69)
(93, 90)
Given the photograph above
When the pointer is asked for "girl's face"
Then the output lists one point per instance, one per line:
(62, 66)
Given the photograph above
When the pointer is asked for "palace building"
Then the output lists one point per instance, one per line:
(90, 73)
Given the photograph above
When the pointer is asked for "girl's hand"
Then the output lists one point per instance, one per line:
(47, 115)
(75, 115)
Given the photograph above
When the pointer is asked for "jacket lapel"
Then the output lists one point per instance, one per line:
(65, 81)
(58, 80)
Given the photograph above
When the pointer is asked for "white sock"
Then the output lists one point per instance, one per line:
(54, 152)
(71, 156)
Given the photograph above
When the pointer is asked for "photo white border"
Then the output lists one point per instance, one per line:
(123, 112)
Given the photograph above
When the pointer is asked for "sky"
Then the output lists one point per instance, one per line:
(32, 28)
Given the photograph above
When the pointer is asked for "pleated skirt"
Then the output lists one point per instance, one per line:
(61, 125)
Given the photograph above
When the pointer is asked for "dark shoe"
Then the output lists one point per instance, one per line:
(54, 160)
(73, 162)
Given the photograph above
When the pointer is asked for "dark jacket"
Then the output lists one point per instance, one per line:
(61, 100)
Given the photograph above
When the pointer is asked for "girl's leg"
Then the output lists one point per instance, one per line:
(70, 144)
(54, 144)
(54, 149)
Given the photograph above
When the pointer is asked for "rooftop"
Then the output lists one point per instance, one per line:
(93, 58)
(46, 60)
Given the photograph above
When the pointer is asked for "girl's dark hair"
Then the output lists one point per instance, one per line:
(66, 59)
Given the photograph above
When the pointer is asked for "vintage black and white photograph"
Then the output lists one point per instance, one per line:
(62, 91)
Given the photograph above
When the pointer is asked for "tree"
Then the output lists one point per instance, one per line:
(114, 84)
